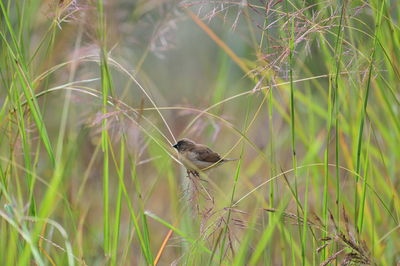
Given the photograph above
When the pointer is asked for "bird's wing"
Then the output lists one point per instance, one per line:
(206, 154)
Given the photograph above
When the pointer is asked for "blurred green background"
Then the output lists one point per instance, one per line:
(304, 93)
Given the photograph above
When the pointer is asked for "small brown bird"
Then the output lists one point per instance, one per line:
(197, 157)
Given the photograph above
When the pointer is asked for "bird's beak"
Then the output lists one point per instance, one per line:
(175, 146)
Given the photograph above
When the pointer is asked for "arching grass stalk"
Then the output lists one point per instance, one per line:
(19, 63)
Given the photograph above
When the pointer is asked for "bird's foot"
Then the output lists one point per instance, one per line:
(193, 173)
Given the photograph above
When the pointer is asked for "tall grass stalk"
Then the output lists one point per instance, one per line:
(106, 84)
(236, 178)
(93, 94)
(363, 114)
(291, 47)
(118, 204)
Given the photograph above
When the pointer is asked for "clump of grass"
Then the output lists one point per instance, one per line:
(94, 94)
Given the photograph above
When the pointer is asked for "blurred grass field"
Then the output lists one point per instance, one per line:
(305, 93)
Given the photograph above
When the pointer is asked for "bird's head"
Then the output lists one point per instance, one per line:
(184, 144)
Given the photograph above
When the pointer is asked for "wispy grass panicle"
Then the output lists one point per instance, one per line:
(93, 94)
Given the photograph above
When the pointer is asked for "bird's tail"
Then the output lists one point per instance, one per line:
(229, 160)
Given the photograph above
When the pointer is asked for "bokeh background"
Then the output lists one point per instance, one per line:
(304, 94)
